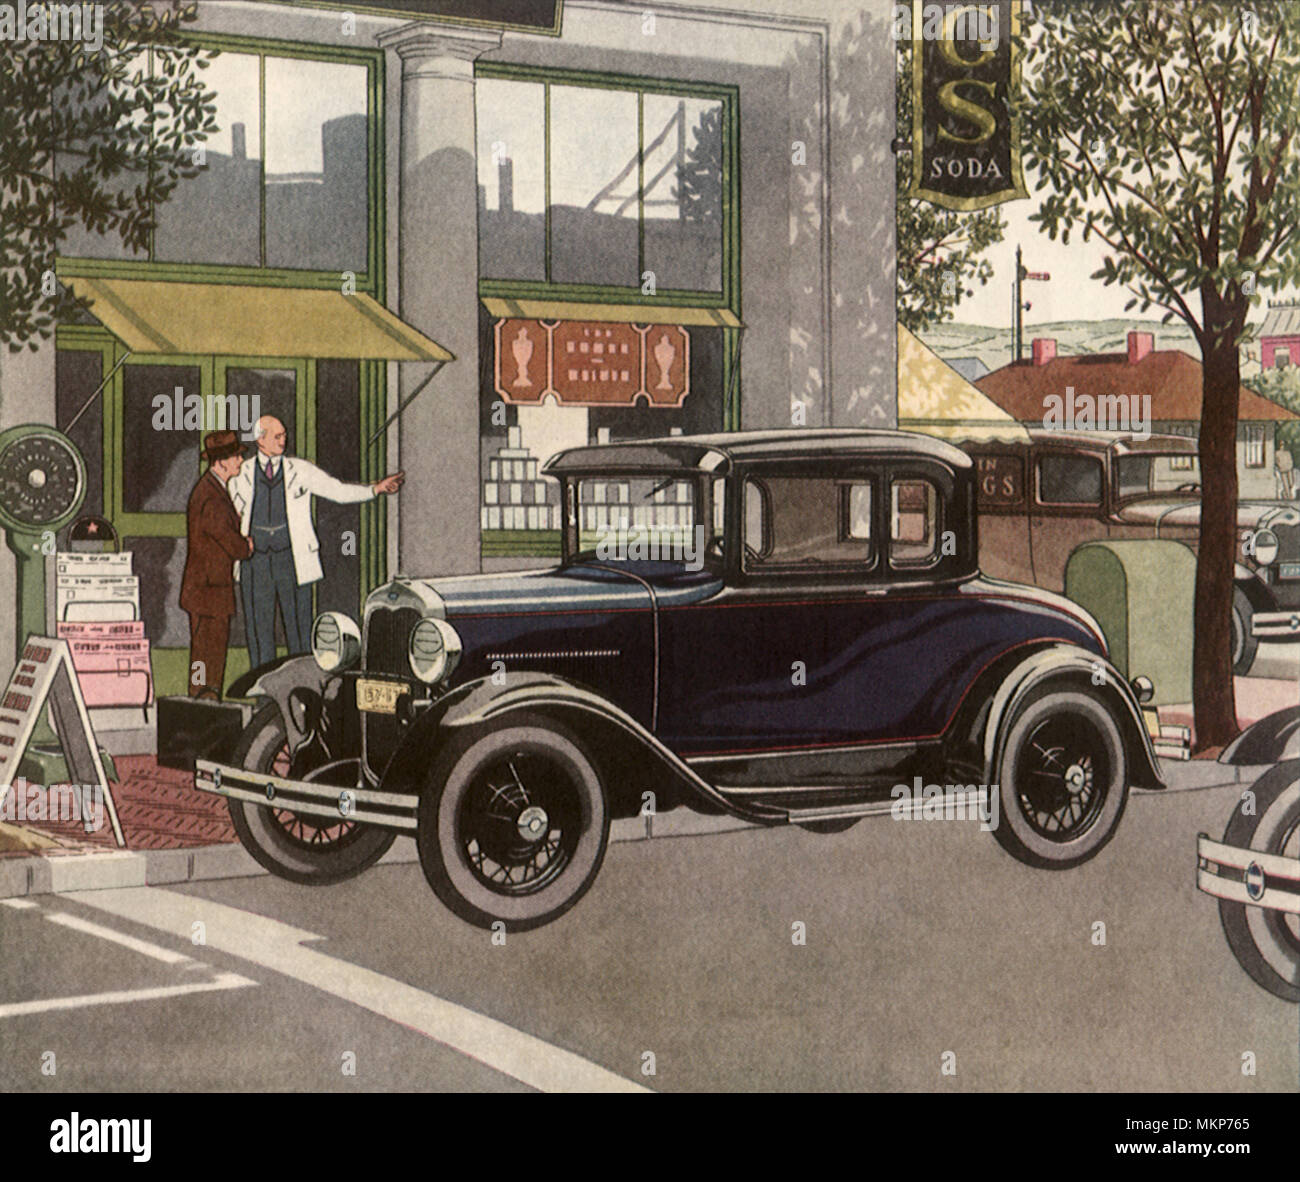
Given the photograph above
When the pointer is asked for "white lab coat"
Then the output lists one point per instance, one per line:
(302, 481)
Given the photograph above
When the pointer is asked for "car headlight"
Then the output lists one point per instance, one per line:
(1265, 547)
(434, 650)
(335, 642)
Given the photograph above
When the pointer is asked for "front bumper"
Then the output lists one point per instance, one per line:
(1247, 876)
(1276, 625)
(386, 810)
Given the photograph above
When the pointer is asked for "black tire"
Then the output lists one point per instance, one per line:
(1265, 942)
(309, 850)
(838, 825)
(1062, 780)
(484, 794)
(1244, 644)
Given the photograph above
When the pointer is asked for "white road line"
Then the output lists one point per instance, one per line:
(166, 955)
(18, 1009)
(21, 904)
(278, 947)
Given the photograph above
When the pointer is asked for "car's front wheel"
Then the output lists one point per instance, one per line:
(1266, 942)
(1062, 780)
(513, 824)
(312, 850)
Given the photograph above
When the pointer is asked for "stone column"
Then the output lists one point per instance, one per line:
(437, 216)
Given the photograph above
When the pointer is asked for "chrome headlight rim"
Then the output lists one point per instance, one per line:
(433, 650)
(335, 642)
(1266, 547)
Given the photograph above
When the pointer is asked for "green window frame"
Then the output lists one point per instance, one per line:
(729, 96)
(372, 279)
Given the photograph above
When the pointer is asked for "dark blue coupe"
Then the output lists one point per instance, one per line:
(788, 627)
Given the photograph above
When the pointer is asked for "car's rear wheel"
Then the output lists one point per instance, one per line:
(1266, 942)
(312, 850)
(1244, 644)
(1062, 780)
(513, 824)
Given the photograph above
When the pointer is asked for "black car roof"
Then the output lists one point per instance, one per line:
(716, 452)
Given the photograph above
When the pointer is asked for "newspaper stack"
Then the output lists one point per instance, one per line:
(97, 601)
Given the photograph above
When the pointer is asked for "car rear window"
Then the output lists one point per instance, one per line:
(914, 523)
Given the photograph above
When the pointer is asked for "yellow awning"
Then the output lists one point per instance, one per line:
(536, 309)
(247, 320)
(935, 399)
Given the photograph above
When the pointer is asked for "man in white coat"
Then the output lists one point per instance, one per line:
(272, 494)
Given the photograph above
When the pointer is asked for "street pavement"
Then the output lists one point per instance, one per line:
(925, 945)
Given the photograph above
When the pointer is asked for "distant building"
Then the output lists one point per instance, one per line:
(1279, 339)
(971, 368)
(1171, 377)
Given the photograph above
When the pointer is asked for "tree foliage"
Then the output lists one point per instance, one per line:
(1166, 130)
(91, 138)
(938, 249)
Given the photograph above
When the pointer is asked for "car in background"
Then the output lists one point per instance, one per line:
(1041, 498)
(783, 627)
(1254, 871)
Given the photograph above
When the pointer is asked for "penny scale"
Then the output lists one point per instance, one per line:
(42, 485)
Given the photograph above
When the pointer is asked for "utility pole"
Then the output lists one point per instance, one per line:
(1019, 307)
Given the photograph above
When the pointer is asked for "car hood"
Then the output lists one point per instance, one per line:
(579, 586)
(1181, 511)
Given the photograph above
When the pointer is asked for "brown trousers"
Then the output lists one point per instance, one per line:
(209, 637)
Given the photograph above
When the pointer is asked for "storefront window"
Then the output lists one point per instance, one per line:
(284, 177)
(511, 179)
(594, 195)
(683, 192)
(215, 216)
(161, 465)
(636, 180)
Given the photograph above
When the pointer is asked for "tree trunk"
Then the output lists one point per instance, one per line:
(1213, 697)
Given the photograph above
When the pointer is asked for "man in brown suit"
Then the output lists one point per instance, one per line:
(214, 546)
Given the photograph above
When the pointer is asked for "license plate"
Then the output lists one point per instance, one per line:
(1289, 570)
(379, 697)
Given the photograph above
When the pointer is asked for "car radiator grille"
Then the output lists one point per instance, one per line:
(387, 634)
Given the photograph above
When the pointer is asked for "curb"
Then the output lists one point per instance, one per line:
(100, 870)
(51, 874)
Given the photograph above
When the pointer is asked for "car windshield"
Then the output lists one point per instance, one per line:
(655, 518)
(1156, 474)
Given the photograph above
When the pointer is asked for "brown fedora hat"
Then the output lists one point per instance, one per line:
(220, 445)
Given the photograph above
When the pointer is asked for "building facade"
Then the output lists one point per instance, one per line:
(618, 220)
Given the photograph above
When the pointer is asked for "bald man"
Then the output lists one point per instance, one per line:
(272, 494)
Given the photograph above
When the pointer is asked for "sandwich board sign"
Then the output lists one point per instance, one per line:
(44, 673)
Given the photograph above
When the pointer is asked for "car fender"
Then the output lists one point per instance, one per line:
(484, 701)
(1066, 661)
(1257, 592)
(292, 683)
(1272, 739)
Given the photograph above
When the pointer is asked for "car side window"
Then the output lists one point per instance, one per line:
(808, 521)
(914, 523)
(1069, 480)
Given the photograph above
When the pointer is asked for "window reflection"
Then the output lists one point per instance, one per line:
(511, 179)
(594, 177)
(683, 192)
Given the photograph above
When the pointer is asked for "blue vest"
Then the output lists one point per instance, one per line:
(269, 521)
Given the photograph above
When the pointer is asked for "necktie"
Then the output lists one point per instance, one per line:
(270, 472)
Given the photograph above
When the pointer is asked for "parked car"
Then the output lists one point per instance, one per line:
(1040, 499)
(779, 626)
(1254, 871)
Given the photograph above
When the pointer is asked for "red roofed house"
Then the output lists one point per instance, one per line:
(1279, 338)
(1031, 390)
